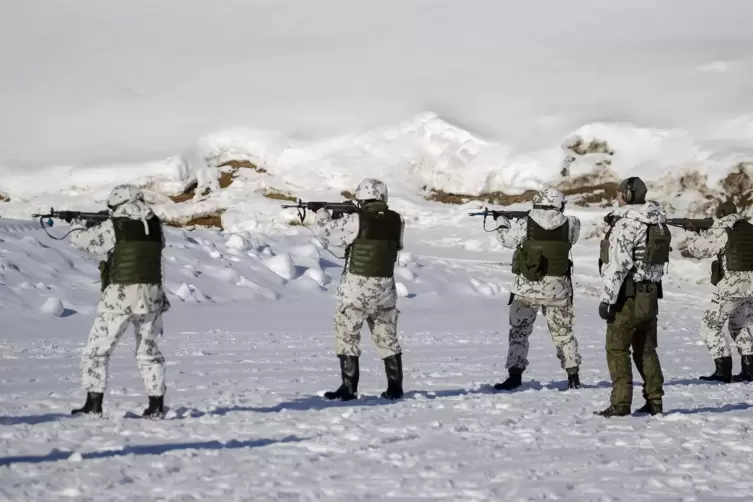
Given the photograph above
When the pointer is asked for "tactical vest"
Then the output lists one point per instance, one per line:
(137, 256)
(655, 251)
(374, 252)
(544, 252)
(739, 248)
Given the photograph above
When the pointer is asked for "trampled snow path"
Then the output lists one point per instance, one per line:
(246, 422)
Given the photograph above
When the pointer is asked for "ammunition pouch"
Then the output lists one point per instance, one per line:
(529, 262)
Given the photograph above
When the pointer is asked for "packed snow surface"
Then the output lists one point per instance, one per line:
(249, 347)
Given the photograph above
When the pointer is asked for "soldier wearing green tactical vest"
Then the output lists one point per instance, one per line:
(132, 294)
(542, 268)
(633, 255)
(372, 238)
(730, 242)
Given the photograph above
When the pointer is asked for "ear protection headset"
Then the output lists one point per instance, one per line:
(627, 193)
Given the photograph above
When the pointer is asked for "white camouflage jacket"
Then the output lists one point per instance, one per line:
(629, 232)
(708, 244)
(513, 236)
(137, 299)
(361, 292)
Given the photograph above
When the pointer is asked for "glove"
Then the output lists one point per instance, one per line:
(605, 311)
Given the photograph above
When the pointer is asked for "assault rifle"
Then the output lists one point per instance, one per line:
(510, 215)
(89, 219)
(691, 225)
(338, 208)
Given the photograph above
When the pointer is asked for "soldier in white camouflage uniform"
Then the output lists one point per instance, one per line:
(633, 254)
(132, 294)
(542, 269)
(730, 241)
(372, 238)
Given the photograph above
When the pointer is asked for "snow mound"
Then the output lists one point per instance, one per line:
(281, 265)
(237, 242)
(53, 306)
(318, 276)
(401, 289)
(190, 293)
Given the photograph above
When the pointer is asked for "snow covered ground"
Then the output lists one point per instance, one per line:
(249, 349)
(465, 97)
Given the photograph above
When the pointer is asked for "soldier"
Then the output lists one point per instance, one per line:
(730, 240)
(634, 252)
(372, 237)
(131, 294)
(542, 269)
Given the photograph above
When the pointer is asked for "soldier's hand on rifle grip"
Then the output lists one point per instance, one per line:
(336, 215)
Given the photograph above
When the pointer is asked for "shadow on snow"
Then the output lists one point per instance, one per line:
(33, 419)
(154, 449)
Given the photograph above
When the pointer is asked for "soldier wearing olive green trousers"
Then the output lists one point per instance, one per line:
(372, 237)
(632, 260)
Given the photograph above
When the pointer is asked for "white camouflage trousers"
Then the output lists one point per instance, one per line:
(739, 313)
(382, 323)
(105, 334)
(560, 319)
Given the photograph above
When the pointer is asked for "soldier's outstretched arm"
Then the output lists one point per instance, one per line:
(513, 236)
(707, 244)
(338, 233)
(622, 243)
(99, 239)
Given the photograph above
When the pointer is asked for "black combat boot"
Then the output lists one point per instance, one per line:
(156, 407)
(573, 379)
(513, 381)
(746, 373)
(350, 374)
(613, 411)
(723, 372)
(92, 405)
(393, 368)
(651, 408)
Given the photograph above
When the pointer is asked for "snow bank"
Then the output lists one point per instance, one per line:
(422, 155)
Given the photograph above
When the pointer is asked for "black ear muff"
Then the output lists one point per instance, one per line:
(628, 193)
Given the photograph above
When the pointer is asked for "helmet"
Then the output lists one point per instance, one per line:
(124, 193)
(371, 189)
(551, 197)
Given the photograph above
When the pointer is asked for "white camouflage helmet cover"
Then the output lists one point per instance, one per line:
(549, 197)
(371, 189)
(124, 193)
